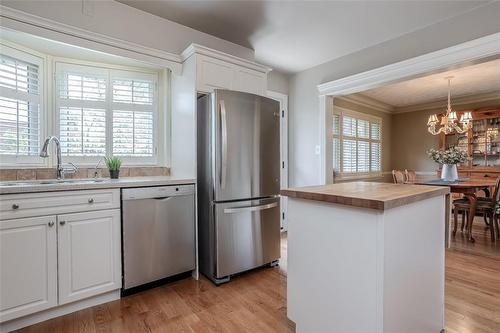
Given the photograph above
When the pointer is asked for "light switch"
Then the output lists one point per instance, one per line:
(317, 150)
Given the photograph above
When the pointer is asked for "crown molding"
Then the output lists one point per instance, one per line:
(368, 102)
(471, 52)
(200, 49)
(470, 99)
(171, 60)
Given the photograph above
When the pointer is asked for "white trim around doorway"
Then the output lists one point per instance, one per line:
(283, 100)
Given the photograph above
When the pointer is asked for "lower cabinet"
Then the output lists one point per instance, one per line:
(28, 270)
(53, 260)
(88, 254)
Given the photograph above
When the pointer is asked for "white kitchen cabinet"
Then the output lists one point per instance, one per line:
(213, 74)
(249, 80)
(28, 266)
(88, 254)
(57, 248)
(218, 70)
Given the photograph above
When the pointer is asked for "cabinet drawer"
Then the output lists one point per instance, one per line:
(37, 204)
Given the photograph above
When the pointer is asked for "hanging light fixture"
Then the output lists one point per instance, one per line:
(449, 122)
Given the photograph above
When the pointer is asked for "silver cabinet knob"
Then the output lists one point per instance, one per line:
(91, 200)
(62, 222)
(51, 224)
(15, 206)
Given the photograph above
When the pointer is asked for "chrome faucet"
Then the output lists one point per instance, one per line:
(61, 170)
(96, 173)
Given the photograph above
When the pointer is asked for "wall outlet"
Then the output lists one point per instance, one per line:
(317, 150)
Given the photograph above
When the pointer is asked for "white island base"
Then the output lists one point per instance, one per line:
(361, 270)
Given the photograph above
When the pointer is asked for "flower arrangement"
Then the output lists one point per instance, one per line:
(452, 155)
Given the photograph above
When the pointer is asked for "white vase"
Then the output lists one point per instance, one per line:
(449, 172)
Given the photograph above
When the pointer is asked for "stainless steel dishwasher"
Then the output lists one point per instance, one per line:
(158, 233)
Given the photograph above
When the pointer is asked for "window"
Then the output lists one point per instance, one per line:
(21, 94)
(356, 143)
(104, 111)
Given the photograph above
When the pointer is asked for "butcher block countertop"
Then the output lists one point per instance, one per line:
(380, 196)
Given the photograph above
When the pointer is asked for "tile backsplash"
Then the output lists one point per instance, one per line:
(50, 173)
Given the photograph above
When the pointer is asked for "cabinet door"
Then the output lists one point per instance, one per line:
(89, 254)
(28, 266)
(213, 74)
(248, 80)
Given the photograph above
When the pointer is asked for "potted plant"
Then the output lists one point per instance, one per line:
(449, 159)
(113, 163)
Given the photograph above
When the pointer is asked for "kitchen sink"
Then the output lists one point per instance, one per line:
(52, 182)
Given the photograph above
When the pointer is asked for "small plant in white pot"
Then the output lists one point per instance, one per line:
(449, 159)
(113, 163)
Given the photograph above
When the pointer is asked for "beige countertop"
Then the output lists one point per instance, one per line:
(50, 185)
(380, 196)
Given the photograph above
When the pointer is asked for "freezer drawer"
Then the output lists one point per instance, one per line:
(247, 235)
(158, 234)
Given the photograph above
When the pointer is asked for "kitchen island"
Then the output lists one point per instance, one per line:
(366, 257)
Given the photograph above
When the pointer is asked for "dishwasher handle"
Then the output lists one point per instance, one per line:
(163, 199)
(157, 192)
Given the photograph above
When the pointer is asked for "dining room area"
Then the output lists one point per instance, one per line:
(442, 130)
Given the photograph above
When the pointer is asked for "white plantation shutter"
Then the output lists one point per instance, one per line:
(133, 117)
(336, 154)
(363, 162)
(348, 126)
(106, 112)
(363, 129)
(81, 95)
(357, 144)
(20, 103)
(375, 157)
(349, 158)
(82, 131)
(375, 131)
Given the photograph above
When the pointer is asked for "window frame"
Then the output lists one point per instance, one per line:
(111, 71)
(341, 112)
(39, 59)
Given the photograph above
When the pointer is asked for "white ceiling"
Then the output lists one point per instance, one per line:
(296, 35)
(469, 80)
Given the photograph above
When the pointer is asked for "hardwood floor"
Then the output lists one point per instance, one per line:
(256, 301)
(472, 294)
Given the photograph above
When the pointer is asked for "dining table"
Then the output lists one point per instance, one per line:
(469, 188)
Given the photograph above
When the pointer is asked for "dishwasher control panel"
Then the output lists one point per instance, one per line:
(157, 192)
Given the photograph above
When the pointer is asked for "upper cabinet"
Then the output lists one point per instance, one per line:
(218, 70)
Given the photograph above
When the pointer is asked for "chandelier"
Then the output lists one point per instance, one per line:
(449, 122)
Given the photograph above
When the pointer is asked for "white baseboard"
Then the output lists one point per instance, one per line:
(58, 311)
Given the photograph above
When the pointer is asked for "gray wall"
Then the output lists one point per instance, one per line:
(278, 81)
(304, 102)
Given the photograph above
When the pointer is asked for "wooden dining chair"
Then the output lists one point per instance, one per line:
(490, 207)
(411, 176)
(398, 177)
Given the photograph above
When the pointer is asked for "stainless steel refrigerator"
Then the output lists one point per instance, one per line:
(238, 144)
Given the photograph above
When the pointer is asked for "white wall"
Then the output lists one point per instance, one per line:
(304, 132)
(278, 81)
(120, 21)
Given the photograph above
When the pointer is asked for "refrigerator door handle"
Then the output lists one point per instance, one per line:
(223, 144)
(250, 208)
